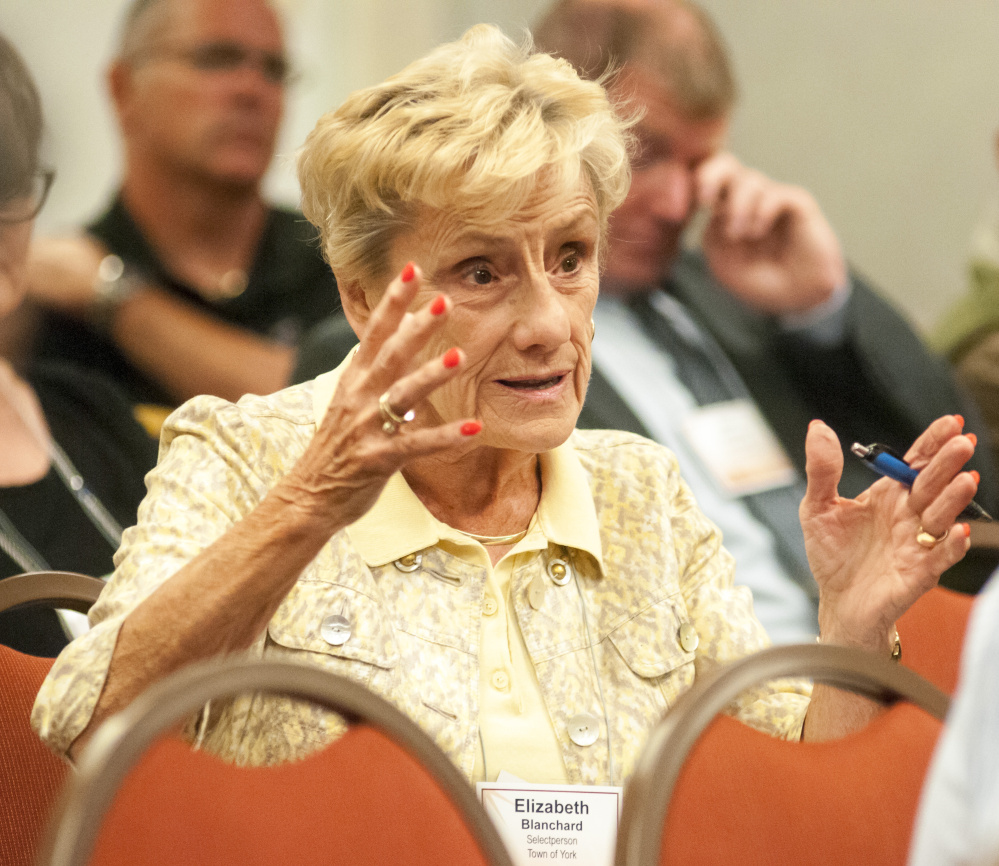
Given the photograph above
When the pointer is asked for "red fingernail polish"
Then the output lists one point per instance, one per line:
(451, 358)
(470, 428)
(976, 476)
(966, 529)
(960, 420)
(408, 272)
(437, 305)
(972, 437)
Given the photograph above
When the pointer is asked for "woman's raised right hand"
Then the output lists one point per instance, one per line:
(354, 452)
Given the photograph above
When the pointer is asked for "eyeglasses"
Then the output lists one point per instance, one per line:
(230, 56)
(650, 150)
(25, 205)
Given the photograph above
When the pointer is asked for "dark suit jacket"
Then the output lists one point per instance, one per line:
(880, 385)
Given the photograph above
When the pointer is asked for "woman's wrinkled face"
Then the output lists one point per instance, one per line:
(523, 291)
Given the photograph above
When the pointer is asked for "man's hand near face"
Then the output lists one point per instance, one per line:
(768, 243)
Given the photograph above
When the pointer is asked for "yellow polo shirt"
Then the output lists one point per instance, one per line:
(515, 731)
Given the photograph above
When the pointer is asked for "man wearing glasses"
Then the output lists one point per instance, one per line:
(190, 283)
(725, 354)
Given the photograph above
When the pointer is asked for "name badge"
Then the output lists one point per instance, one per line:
(734, 442)
(562, 823)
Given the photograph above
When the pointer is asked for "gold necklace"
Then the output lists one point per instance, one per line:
(487, 540)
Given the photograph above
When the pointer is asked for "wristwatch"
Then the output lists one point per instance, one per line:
(115, 282)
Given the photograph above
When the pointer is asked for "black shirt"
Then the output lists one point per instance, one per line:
(92, 422)
(289, 288)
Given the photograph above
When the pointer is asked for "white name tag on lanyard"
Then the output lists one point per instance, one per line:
(562, 823)
(734, 442)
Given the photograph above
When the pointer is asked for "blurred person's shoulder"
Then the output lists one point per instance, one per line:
(287, 226)
(289, 262)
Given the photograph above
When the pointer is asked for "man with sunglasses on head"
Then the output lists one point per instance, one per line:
(190, 283)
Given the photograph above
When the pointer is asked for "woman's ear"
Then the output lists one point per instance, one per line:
(355, 305)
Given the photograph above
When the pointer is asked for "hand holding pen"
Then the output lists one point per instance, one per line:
(886, 462)
(873, 555)
(869, 554)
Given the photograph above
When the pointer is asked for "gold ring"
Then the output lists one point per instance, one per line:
(391, 420)
(930, 541)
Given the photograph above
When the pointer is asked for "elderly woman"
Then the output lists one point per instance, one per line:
(425, 520)
(73, 458)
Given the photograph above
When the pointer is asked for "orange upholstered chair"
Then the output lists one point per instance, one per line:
(30, 775)
(709, 790)
(383, 793)
(932, 635)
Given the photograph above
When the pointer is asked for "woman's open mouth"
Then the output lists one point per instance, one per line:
(533, 384)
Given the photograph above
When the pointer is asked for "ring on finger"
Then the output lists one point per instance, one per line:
(392, 420)
(928, 540)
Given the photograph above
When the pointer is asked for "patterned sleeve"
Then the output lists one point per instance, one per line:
(202, 485)
(726, 625)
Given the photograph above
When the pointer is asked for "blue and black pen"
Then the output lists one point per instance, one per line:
(886, 462)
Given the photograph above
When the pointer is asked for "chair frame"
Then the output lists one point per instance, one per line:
(121, 740)
(53, 589)
(647, 795)
(67, 590)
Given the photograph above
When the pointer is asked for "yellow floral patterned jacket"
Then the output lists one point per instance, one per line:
(656, 565)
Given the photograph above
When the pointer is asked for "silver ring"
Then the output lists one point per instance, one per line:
(391, 420)
(929, 541)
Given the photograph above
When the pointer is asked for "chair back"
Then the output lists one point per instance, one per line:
(382, 793)
(932, 635)
(30, 775)
(711, 790)
(65, 590)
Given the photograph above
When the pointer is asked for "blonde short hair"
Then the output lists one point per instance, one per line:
(472, 128)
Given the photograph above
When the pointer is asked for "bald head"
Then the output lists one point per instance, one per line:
(198, 88)
(144, 23)
(673, 41)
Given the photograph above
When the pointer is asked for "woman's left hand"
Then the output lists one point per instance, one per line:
(863, 552)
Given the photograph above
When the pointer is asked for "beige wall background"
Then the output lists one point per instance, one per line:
(885, 109)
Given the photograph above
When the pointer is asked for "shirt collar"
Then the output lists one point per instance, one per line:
(566, 511)
(399, 524)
